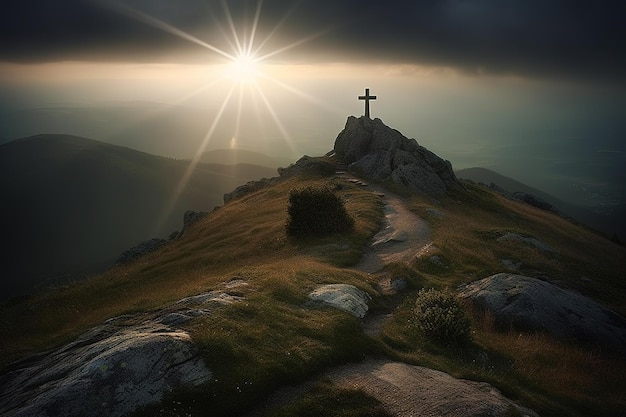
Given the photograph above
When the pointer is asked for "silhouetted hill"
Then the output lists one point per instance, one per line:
(240, 156)
(607, 223)
(71, 205)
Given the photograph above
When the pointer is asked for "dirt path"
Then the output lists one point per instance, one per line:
(404, 390)
(403, 237)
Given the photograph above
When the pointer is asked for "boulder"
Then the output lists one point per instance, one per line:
(308, 165)
(536, 304)
(108, 371)
(115, 368)
(344, 297)
(384, 154)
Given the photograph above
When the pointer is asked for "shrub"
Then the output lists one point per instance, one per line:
(439, 316)
(316, 212)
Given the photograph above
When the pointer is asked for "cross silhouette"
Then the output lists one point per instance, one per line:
(367, 99)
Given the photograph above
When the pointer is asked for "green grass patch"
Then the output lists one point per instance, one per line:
(326, 399)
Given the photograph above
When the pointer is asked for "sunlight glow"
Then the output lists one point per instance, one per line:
(244, 68)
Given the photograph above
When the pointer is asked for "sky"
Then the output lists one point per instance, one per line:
(534, 89)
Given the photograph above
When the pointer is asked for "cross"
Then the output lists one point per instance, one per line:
(367, 99)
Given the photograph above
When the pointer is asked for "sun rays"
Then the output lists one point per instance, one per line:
(243, 67)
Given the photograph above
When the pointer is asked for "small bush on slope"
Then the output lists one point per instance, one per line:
(439, 316)
(316, 212)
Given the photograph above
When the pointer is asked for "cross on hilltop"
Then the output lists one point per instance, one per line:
(367, 99)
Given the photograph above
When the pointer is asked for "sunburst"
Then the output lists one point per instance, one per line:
(243, 69)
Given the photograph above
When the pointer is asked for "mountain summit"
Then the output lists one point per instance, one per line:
(385, 154)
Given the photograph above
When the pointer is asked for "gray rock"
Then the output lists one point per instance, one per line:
(308, 165)
(407, 390)
(437, 214)
(385, 154)
(108, 371)
(536, 304)
(535, 201)
(344, 297)
(248, 188)
(128, 362)
(509, 236)
(140, 250)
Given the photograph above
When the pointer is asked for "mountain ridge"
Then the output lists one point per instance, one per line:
(72, 204)
(611, 225)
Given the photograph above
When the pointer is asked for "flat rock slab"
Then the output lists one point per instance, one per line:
(342, 296)
(537, 304)
(106, 372)
(115, 368)
(407, 390)
(414, 391)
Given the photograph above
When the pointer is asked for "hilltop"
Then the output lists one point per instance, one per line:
(235, 309)
(72, 205)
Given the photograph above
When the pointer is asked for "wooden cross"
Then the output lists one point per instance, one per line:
(367, 99)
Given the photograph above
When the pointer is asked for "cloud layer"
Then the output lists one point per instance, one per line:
(559, 38)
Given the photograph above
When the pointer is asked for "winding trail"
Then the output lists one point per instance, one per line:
(404, 390)
(403, 236)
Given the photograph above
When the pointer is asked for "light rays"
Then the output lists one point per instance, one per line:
(244, 69)
(140, 16)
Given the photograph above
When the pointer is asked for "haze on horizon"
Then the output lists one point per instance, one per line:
(531, 89)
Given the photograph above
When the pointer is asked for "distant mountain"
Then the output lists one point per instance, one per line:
(241, 156)
(71, 205)
(611, 223)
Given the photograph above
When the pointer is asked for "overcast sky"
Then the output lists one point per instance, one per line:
(534, 89)
(530, 37)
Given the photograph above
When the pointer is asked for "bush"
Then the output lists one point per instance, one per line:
(316, 212)
(439, 316)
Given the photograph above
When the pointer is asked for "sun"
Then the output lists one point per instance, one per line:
(244, 68)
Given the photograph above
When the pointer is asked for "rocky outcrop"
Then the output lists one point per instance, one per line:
(140, 250)
(384, 154)
(247, 188)
(305, 165)
(115, 368)
(308, 165)
(342, 296)
(190, 217)
(535, 304)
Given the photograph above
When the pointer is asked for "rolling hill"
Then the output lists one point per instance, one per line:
(611, 223)
(231, 303)
(71, 205)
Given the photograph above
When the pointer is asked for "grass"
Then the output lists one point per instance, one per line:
(274, 337)
(552, 376)
(326, 399)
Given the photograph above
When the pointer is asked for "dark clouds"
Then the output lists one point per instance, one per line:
(530, 37)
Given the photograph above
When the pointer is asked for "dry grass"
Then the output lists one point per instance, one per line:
(584, 379)
(466, 237)
(244, 234)
(274, 337)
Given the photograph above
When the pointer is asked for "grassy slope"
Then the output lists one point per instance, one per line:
(274, 338)
(72, 205)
